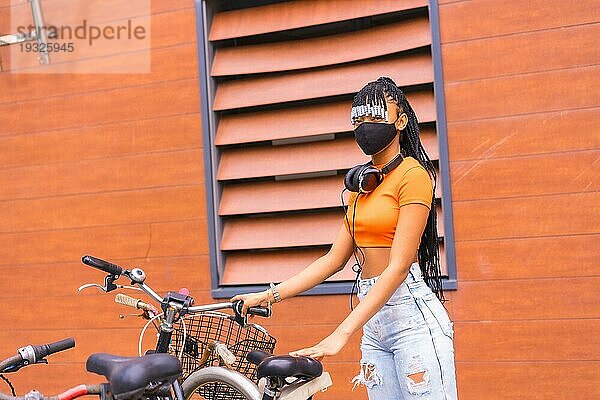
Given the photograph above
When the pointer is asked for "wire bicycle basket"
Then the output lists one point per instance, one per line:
(202, 332)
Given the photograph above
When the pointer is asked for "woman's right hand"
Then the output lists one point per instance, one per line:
(252, 300)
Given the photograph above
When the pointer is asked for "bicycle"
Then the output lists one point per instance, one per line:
(129, 378)
(217, 381)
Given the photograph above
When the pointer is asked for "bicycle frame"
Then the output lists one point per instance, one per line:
(172, 307)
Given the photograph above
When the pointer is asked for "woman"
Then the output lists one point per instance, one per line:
(407, 343)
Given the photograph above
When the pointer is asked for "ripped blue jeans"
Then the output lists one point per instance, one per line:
(407, 347)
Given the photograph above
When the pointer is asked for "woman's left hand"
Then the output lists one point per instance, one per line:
(329, 346)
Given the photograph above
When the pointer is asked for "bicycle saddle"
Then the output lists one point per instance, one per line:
(285, 366)
(128, 377)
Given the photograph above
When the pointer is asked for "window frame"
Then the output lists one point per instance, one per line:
(204, 12)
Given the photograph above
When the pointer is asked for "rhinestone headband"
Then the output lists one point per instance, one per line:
(368, 110)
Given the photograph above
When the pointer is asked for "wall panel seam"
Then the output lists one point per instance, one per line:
(140, 15)
(458, 161)
(115, 123)
(529, 362)
(117, 85)
(442, 4)
(535, 278)
(118, 260)
(525, 237)
(190, 8)
(521, 196)
(486, 321)
(82, 228)
(516, 33)
(521, 74)
(81, 127)
(517, 116)
(97, 91)
(568, 235)
(531, 196)
(63, 262)
(84, 194)
(529, 321)
(508, 116)
(124, 156)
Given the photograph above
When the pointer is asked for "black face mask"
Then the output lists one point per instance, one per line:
(372, 137)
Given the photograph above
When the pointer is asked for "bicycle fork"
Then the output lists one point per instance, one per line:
(164, 340)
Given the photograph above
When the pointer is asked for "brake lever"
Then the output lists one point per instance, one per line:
(242, 320)
(123, 316)
(14, 368)
(145, 315)
(91, 285)
(17, 367)
(104, 289)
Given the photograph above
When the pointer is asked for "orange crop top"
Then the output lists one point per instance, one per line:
(377, 212)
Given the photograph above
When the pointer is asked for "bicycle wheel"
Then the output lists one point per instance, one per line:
(217, 383)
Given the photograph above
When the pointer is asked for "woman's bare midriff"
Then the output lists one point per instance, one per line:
(376, 261)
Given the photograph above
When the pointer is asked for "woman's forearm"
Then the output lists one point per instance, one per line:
(379, 294)
(311, 276)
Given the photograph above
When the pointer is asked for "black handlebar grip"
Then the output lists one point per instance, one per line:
(105, 266)
(260, 311)
(46, 349)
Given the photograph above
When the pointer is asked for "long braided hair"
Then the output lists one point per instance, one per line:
(373, 97)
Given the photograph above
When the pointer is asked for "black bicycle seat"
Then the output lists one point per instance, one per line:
(129, 376)
(256, 356)
(285, 366)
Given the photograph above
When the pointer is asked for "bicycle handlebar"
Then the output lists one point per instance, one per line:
(45, 350)
(260, 311)
(33, 354)
(116, 270)
(73, 393)
(102, 265)
(136, 303)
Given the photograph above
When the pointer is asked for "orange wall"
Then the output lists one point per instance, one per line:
(521, 86)
(109, 165)
(112, 165)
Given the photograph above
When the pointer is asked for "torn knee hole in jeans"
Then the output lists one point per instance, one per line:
(369, 376)
(417, 378)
